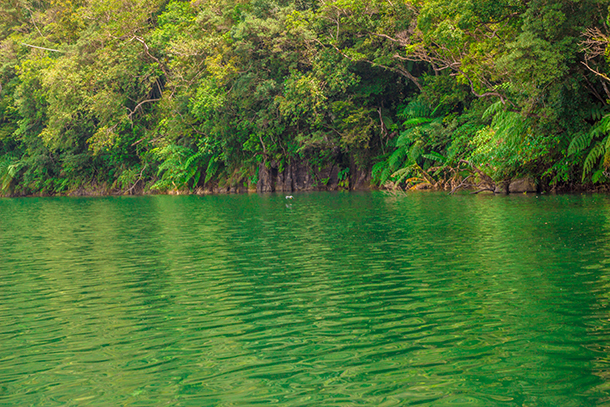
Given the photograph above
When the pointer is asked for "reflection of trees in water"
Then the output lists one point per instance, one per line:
(511, 280)
(341, 296)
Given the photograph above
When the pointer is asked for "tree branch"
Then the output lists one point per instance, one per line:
(460, 185)
(46, 49)
(150, 55)
(132, 112)
(486, 94)
(601, 75)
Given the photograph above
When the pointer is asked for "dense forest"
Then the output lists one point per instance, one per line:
(156, 95)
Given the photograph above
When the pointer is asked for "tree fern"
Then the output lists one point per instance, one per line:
(410, 144)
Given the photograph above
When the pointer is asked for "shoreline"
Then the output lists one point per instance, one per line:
(82, 192)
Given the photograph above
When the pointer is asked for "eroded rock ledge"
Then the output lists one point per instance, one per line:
(300, 176)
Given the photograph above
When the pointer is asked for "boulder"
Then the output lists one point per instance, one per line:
(522, 185)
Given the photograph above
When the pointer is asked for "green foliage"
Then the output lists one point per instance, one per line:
(178, 94)
(422, 130)
(599, 135)
(180, 167)
(507, 145)
(9, 169)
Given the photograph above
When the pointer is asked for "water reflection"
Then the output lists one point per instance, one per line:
(340, 299)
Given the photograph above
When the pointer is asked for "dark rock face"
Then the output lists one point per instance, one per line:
(360, 180)
(299, 176)
(522, 185)
(266, 183)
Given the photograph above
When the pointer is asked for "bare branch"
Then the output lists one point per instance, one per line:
(132, 112)
(595, 43)
(150, 55)
(601, 75)
(138, 180)
(399, 41)
(46, 49)
(486, 94)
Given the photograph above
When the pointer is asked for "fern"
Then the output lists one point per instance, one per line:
(416, 121)
(377, 171)
(415, 151)
(410, 144)
(596, 152)
(403, 175)
(180, 166)
(492, 110)
(604, 124)
(598, 176)
(434, 156)
(404, 139)
(601, 148)
(510, 126)
(598, 111)
(211, 169)
(580, 142)
(416, 109)
(10, 168)
(397, 157)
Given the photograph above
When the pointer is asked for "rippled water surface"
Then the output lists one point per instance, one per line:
(326, 300)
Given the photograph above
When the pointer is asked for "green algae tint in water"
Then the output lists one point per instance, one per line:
(328, 299)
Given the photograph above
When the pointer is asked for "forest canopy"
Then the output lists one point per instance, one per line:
(167, 95)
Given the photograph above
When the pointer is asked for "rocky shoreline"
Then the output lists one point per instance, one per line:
(299, 177)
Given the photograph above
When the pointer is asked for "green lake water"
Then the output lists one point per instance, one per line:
(329, 299)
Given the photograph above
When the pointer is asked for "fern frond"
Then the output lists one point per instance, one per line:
(404, 138)
(416, 109)
(415, 151)
(604, 124)
(597, 112)
(510, 126)
(493, 110)
(377, 170)
(401, 174)
(434, 156)
(385, 175)
(581, 141)
(598, 176)
(397, 158)
(212, 168)
(597, 151)
(416, 121)
(192, 159)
